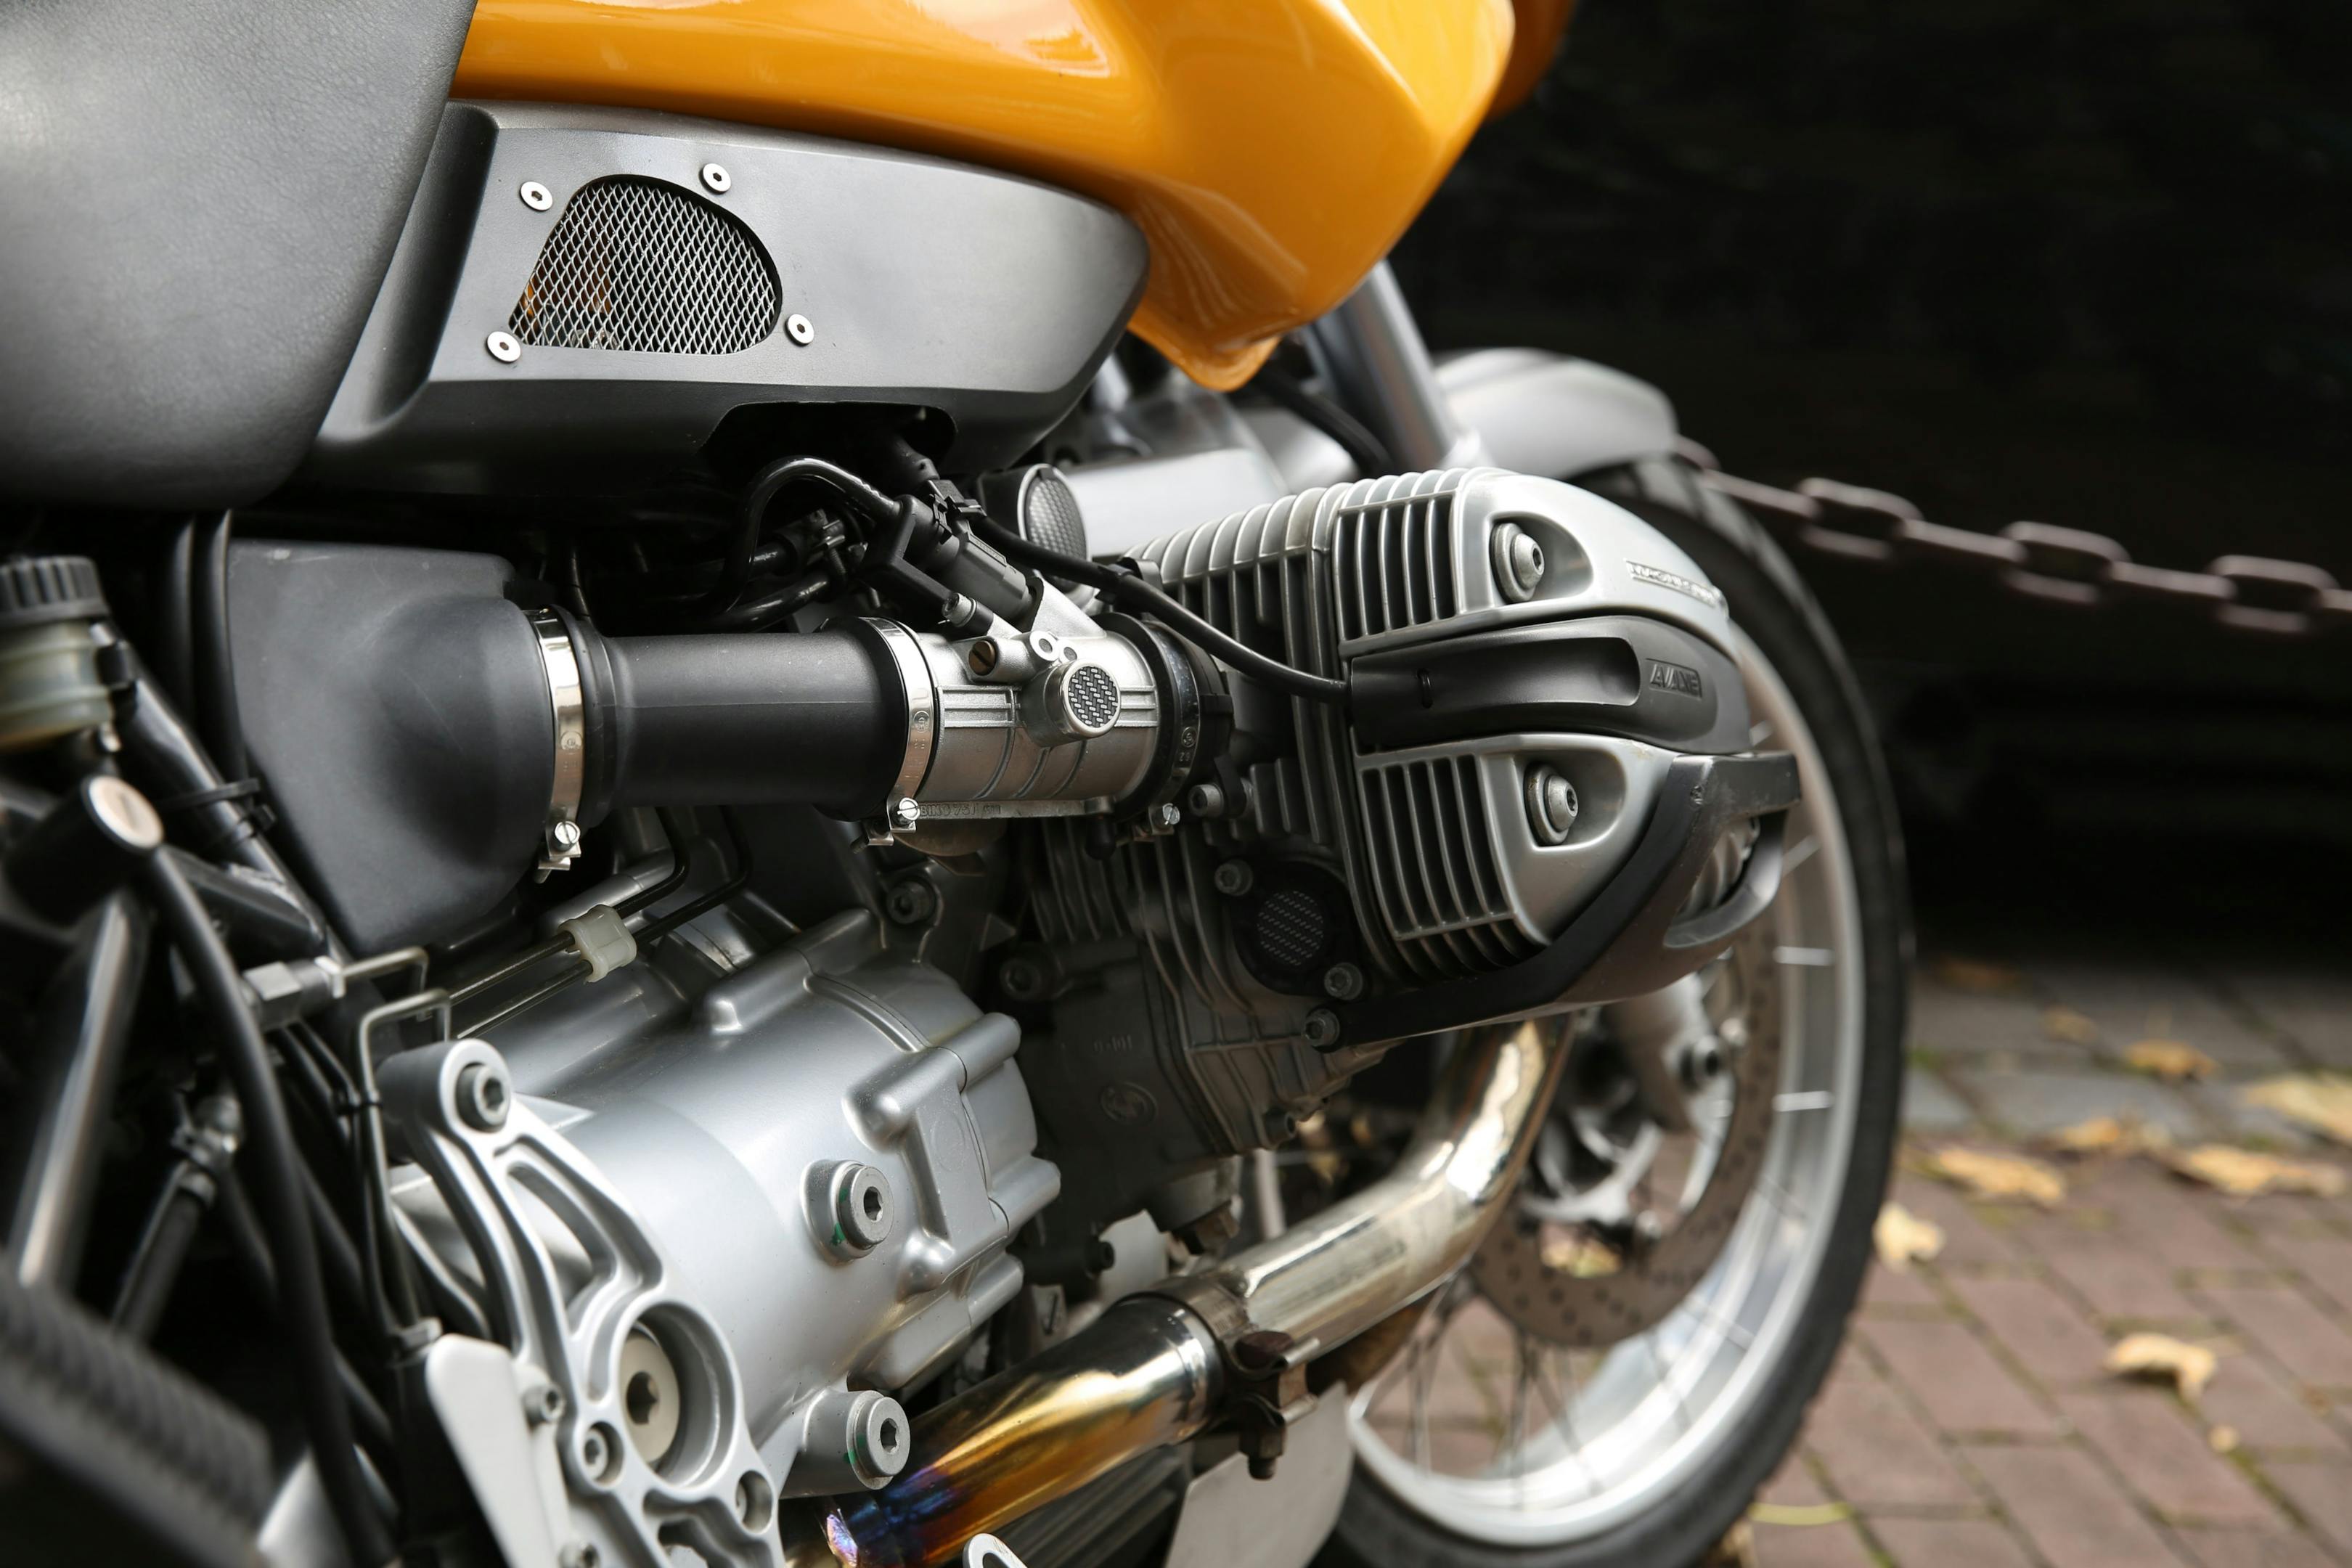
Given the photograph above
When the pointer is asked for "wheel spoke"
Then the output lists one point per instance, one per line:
(1780, 1199)
(1419, 1376)
(1698, 1307)
(1666, 1377)
(1515, 1427)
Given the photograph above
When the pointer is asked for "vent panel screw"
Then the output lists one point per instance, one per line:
(717, 178)
(798, 328)
(503, 347)
(536, 197)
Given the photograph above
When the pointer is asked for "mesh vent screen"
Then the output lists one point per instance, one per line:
(1291, 930)
(1093, 696)
(647, 267)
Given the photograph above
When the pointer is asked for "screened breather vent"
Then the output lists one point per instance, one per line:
(649, 267)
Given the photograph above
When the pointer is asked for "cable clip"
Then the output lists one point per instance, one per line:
(603, 938)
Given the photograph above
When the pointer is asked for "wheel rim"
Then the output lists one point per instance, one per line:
(1579, 1441)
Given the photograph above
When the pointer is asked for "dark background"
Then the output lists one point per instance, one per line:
(2087, 264)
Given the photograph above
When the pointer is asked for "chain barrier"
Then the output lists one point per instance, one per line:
(2068, 566)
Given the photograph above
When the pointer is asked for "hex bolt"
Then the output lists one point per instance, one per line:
(503, 347)
(1100, 1256)
(592, 1451)
(881, 1437)
(536, 197)
(1021, 978)
(543, 1405)
(861, 1206)
(799, 328)
(906, 815)
(911, 901)
(1323, 1029)
(482, 1096)
(717, 178)
(1206, 800)
(1518, 563)
(1234, 878)
(1343, 983)
(1551, 805)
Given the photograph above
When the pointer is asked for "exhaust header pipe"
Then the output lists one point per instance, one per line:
(1230, 1343)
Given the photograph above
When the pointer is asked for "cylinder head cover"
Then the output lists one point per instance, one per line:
(1525, 660)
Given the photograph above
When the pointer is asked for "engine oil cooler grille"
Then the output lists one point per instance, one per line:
(647, 267)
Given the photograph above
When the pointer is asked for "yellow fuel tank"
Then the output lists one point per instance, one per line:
(1271, 151)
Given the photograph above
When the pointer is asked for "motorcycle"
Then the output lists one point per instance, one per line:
(784, 787)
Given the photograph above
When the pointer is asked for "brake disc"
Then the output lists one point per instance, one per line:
(1564, 1290)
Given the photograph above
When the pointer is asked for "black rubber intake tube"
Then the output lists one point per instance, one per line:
(743, 718)
(403, 706)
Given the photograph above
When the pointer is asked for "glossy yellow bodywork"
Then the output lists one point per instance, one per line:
(1271, 151)
(1542, 24)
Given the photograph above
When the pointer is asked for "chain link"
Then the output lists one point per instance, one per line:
(2067, 566)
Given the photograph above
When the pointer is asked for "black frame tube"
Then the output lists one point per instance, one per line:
(216, 673)
(84, 1024)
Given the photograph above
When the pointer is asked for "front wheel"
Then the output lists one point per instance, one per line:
(1631, 1354)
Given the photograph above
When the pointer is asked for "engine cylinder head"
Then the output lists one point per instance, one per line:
(1528, 665)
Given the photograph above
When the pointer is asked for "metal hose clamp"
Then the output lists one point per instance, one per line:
(559, 846)
(922, 707)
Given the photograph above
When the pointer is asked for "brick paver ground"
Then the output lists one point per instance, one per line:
(1969, 1420)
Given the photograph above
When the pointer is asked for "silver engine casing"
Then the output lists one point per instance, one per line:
(728, 1123)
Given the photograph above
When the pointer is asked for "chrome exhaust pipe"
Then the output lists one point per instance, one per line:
(1231, 1341)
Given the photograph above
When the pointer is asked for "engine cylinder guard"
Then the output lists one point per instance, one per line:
(1505, 639)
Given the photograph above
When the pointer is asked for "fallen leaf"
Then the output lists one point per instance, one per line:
(2107, 1135)
(1999, 1177)
(1736, 1549)
(1968, 975)
(2173, 1060)
(2222, 1439)
(2313, 1099)
(2065, 1024)
(1903, 1236)
(2190, 1367)
(1801, 1516)
(1575, 1253)
(2243, 1173)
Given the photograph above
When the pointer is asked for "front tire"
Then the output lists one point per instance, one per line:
(1844, 1019)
